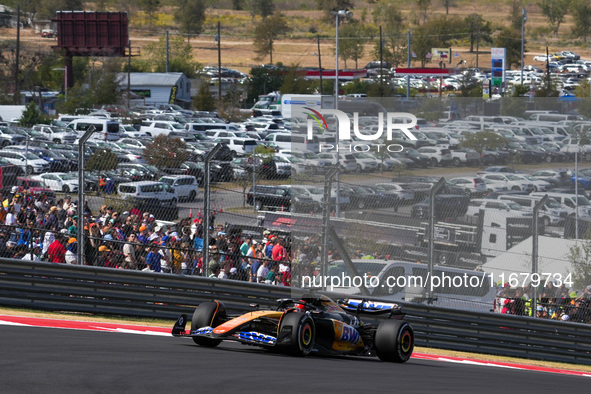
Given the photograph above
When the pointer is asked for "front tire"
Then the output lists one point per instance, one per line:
(208, 314)
(192, 196)
(66, 189)
(394, 341)
(297, 334)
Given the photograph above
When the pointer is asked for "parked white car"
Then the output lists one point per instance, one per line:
(149, 190)
(366, 162)
(472, 184)
(513, 182)
(59, 181)
(185, 186)
(29, 162)
(347, 161)
(404, 196)
(476, 205)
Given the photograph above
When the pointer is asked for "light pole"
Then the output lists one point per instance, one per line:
(338, 14)
(523, 20)
(65, 70)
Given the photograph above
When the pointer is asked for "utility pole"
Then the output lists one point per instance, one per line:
(128, 74)
(17, 55)
(319, 64)
(408, 56)
(381, 62)
(219, 39)
(167, 50)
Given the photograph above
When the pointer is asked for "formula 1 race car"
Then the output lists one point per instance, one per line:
(312, 324)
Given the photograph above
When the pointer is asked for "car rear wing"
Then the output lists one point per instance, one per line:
(370, 307)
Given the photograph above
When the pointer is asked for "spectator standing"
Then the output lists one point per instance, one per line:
(263, 271)
(71, 256)
(278, 253)
(33, 255)
(153, 260)
(130, 261)
(57, 251)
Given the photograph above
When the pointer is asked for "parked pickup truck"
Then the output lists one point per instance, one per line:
(464, 157)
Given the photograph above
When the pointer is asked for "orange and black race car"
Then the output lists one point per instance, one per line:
(310, 325)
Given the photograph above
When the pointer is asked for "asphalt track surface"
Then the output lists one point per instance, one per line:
(50, 360)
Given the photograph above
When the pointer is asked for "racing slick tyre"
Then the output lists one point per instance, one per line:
(208, 314)
(299, 332)
(394, 341)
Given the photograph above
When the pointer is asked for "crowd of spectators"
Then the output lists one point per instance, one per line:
(553, 302)
(36, 228)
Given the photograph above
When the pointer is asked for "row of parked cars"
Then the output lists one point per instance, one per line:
(501, 189)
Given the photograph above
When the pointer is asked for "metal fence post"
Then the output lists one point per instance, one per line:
(80, 235)
(432, 193)
(326, 221)
(534, 253)
(206, 220)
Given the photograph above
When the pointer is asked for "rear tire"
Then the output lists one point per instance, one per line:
(394, 341)
(208, 314)
(297, 333)
(192, 196)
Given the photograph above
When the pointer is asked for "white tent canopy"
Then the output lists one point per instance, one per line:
(552, 259)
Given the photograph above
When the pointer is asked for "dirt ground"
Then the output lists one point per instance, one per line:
(238, 52)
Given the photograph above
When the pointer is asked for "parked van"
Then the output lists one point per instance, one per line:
(552, 213)
(106, 129)
(569, 201)
(201, 127)
(185, 186)
(405, 281)
(554, 117)
(293, 142)
(239, 146)
(149, 191)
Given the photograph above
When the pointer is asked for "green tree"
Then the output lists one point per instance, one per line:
(510, 39)
(150, 7)
(104, 87)
(583, 92)
(153, 57)
(46, 9)
(423, 11)
(296, 83)
(554, 10)
(264, 8)
(516, 14)
(477, 29)
(357, 86)
(579, 256)
(352, 40)
(190, 16)
(237, 5)
(266, 33)
(165, 152)
(263, 80)
(581, 12)
(483, 140)
(102, 160)
(439, 32)
(204, 100)
(31, 116)
(394, 48)
(327, 6)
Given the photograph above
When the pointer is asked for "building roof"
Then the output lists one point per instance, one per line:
(552, 258)
(150, 79)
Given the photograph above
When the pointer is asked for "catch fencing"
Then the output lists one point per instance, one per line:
(62, 287)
